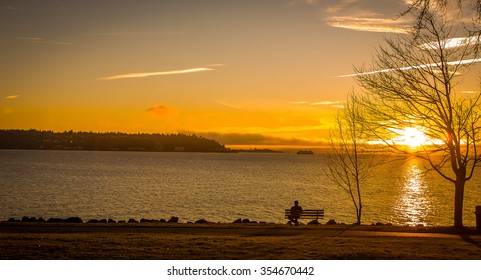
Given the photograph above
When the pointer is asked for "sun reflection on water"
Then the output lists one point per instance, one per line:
(413, 205)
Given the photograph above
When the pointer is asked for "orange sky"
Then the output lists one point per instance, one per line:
(241, 71)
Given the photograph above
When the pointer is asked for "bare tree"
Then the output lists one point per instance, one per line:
(348, 160)
(463, 8)
(413, 84)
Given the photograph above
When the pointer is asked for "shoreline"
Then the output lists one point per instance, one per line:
(176, 241)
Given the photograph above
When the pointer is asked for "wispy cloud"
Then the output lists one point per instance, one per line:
(327, 103)
(369, 25)
(150, 74)
(451, 43)
(335, 104)
(367, 15)
(458, 62)
(38, 40)
(12, 96)
(162, 110)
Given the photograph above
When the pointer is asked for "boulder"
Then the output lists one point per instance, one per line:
(313, 222)
(111, 221)
(162, 221)
(246, 221)
(103, 221)
(55, 220)
(12, 220)
(132, 221)
(41, 220)
(173, 220)
(238, 221)
(29, 219)
(331, 222)
(76, 220)
(201, 221)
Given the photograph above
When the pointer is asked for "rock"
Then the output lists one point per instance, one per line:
(238, 221)
(29, 219)
(76, 220)
(132, 221)
(146, 220)
(103, 221)
(93, 221)
(13, 220)
(331, 222)
(55, 220)
(111, 221)
(121, 222)
(162, 221)
(41, 220)
(173, 220)
(246, 221)
(313, 222)
(201, 221)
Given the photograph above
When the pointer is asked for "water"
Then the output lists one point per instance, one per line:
(216, 187)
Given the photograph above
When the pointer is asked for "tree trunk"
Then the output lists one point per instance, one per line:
(458, 203)
(359, 214)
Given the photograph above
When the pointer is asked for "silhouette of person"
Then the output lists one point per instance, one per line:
(296, 212)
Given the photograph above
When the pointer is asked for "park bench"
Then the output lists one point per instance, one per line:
(307, 214)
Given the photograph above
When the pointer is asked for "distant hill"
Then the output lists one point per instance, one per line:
(110, 141)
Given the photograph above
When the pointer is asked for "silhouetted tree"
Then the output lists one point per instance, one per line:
(349, 159)
(412, 83)
(421, 10)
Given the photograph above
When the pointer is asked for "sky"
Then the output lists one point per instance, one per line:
(259, 72)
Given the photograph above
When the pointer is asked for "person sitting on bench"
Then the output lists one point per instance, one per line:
(296, 212)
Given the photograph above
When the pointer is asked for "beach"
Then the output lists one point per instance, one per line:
(216, 241)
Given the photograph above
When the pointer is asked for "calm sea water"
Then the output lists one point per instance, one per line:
(216, 187)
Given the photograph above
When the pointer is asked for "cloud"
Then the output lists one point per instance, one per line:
(369, 25)
(38, 40)
(149, 74)
(451, 43)
(12, 96)
(162, 110)
(327, 103)
(335, 104)
(458, 62)
(367, 15)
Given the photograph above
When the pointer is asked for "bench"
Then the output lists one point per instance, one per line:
(307, 214)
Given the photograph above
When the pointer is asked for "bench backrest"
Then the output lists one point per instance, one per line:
(317, 213)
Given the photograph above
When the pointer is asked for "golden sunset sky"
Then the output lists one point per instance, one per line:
(261, 72)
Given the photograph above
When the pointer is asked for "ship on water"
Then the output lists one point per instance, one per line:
(305, 152)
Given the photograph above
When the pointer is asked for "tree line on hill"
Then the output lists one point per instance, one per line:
(109, 141)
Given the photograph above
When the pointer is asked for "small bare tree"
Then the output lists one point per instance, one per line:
(413, 84)
(348, 160)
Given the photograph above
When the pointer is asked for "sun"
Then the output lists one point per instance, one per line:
(412, 137)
